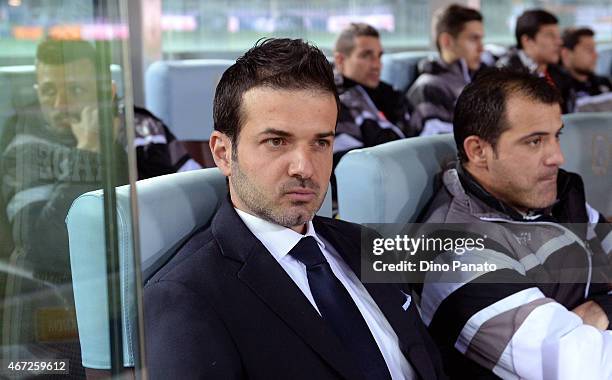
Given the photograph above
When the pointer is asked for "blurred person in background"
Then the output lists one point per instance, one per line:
(579, 58)
(541, 308)
(50, 154)
(458, 32)
(371, 111)
(537, 51)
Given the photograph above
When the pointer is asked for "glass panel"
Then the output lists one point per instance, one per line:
(62, 134)
(216, 27)
(500, 16)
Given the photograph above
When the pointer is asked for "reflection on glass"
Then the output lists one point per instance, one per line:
(53, 109)
(500, 16)
(205, 28)
(208, 27)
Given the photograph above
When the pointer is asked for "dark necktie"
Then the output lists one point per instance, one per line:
(339, 311)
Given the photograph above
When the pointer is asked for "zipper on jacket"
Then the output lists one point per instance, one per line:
(584, 244)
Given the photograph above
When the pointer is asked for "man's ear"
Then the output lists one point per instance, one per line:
(445, 40)
(338, 61)
(565, 55)
(475, 150)
(113, 90)
(221, 149)
(526, 42)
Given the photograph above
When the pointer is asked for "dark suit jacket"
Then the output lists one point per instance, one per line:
(224, 308)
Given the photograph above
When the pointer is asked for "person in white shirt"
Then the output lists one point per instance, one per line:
(270, 290)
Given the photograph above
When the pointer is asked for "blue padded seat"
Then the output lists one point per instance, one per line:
(604, 62)
(392, 182)
(401, 69)
(181, 93)
(587, 146)
(17, 92)
(170, 208)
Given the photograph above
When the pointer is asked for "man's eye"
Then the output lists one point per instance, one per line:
(275, 142)
(77, 90)
(535, 142)
(48, 91)
(323, 143)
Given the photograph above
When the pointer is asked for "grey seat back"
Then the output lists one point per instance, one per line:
(587, 146)
(181, 93)
(392, 182)
(170, 209)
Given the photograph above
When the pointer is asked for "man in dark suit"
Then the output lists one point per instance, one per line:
(271, 291)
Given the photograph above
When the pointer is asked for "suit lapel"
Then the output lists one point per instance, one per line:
(390, 299)
(269, 281)
(405, 323)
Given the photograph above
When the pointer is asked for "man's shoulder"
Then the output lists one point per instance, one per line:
(338, 227)
(450, 202)
(188, 260)
(385, 88)
(438, 208)
(511, 61)
(421, 82)
(603, 83)
(432, 87)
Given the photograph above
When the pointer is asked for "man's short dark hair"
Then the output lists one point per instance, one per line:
(346, 39)
(571, 36)
(452, 20)
(60, 52)
(481, 107)
(276, 63)
(530, 22)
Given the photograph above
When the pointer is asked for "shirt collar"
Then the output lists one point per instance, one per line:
(277, 239)
(529, 63)
(472, 186)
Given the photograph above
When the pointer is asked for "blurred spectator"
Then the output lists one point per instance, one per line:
(579, 58)
(537, 51)
(371, 111)
(50, 155)
(458, 33)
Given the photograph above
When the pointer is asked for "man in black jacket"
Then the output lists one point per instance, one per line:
(51, 151)
(579, 57)
(49, 155)
(540, 304)
(371, 112)
(537, 51)
(458, 34)
(270, 290)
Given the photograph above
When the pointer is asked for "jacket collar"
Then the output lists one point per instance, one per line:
(462, 183)
(437, 66)
(472, 187)
(266, 278)
(527, 62)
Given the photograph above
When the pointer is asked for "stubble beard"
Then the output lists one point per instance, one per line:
(262, 206)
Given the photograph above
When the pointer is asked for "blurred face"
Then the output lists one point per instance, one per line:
(282, 164)
(583, 58)
(65, 90)
(522, 171)
(363, 63)
(468, 44)
(546, 46)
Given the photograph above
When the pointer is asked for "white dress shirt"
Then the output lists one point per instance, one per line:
(280, 240)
